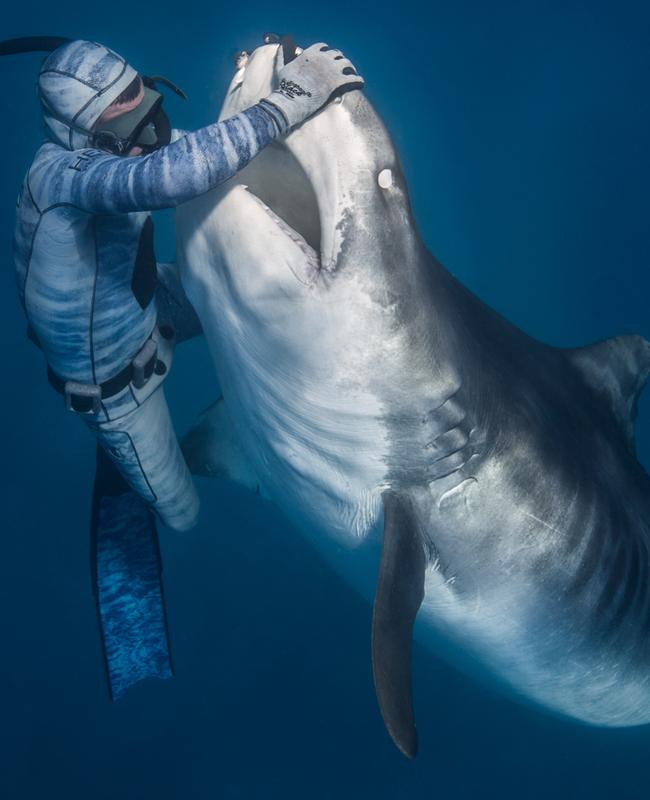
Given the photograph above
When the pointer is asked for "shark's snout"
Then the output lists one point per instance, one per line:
(289, 47)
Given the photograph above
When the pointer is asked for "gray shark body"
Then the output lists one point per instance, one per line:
(365, 388)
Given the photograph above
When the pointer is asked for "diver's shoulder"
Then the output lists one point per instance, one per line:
(53, 155)
(54, 169)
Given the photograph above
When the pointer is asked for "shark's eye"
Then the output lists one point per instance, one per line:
(241, 58)
(271, 38)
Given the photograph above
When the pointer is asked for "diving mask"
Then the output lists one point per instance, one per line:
(145, 126)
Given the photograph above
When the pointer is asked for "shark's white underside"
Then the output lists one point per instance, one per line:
(316, 362)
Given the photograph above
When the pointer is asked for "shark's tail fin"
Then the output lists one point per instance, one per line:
(617, 369)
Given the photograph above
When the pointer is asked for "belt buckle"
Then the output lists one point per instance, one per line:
(146, 357)
(87, 391)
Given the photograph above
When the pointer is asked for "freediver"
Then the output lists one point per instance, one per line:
(84, 257)
(107, 316)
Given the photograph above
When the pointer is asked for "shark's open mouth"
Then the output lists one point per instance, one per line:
(281, 185)
(275, 177)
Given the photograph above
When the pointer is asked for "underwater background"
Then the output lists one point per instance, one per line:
(524, 132)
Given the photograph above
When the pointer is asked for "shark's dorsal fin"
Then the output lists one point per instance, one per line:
(211, 448)
(617, 369)
(400, 589)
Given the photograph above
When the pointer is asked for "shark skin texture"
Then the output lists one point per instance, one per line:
(373, 398)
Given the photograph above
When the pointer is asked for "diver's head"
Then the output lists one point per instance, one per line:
(77, 82)
(91, 97)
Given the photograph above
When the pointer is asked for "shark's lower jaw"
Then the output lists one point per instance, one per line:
(279, 183)
(312, 260)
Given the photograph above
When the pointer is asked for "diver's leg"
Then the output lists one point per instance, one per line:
(173, 306)
(143, 446)
(140, 470)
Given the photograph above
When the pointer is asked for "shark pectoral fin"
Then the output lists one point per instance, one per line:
(211, 448)
(400, 589)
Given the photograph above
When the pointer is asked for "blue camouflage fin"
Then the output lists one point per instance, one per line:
(126, 570)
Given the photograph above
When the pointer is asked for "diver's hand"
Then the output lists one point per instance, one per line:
(310, 80)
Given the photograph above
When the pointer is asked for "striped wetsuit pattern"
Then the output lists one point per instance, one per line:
(79, 223)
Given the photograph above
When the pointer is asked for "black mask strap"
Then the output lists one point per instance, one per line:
(163, 128)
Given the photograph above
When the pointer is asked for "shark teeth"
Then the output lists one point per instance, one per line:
(307, 271)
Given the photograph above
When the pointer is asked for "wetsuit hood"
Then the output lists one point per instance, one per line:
(76, 83)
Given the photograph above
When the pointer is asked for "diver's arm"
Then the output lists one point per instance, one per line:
(178, 133)
(192, 165)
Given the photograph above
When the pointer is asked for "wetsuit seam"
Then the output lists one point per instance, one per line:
(98, 93)
(105, 410)
(137, 458)
(69, 75)
(65, 205)
(31, 196)
(92, 306)
(29, 264)
(133, 396)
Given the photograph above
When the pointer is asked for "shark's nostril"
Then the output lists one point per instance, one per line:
(349, 71)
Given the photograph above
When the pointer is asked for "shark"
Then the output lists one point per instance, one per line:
(481, 485)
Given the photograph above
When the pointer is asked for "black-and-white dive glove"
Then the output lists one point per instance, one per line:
(308, 82)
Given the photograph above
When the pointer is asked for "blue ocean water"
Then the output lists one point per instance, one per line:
(523, 128)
